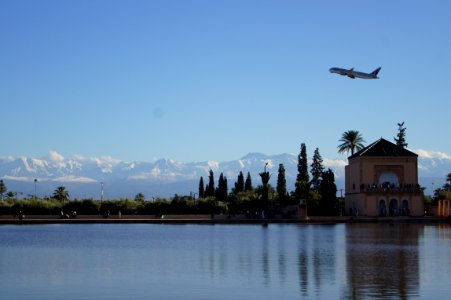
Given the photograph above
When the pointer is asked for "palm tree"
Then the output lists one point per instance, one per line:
(61, 194)
(140, 197)
(351, 140)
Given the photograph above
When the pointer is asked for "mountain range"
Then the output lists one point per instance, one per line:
(82, 176)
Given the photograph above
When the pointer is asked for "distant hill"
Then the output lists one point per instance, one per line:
(166, 177)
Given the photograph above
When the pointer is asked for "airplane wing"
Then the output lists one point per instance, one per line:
(351, 73)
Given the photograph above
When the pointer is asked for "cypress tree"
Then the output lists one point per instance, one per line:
(317, 169)
(328, 191)
(248, 184)
(207, 189)
(210, 190)
(303, 165)
(3, 189)
(447, 186)
(225, 188)
(239, 184)
(302, 179)
(281, 183)
(201, 187)
(221, 191)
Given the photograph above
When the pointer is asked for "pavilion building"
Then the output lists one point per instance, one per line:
(382, 180)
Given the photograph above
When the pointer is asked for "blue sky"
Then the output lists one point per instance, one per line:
(213, 80)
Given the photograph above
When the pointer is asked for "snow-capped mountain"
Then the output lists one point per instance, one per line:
(165, 177)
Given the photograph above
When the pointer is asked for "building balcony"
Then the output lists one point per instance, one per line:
(391, 189)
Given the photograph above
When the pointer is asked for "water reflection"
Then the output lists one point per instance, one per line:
(382, 261)
(319, 262)
(435, 261)
(265, 257)
(356, 261)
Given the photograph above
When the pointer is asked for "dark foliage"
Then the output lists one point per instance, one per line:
(210, 189)
(281, 184)
(400, 138)
(317, 170)
(302, 165)
(328, 191)
(222, 190)
(239, 184)
(248, 184)
(201, 188)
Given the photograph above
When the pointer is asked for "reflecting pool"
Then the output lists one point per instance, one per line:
(152, 261)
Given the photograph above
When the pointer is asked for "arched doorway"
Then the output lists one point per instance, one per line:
(393, 207)
(405, 210)
(382, 209)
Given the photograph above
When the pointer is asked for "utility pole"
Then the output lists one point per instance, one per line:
(265, 197)
(35, 181)
(101, 191)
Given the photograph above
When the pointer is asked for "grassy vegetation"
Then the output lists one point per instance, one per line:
(251, 203)
(176, 205)
(244, 203)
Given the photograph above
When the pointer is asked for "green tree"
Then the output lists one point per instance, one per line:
(239, 184)
(140, 197)
(61, 194)
(303, 177)
(301, 191)
(351, 140)
(447, 185)
(328, 191)
(201, 188)
(281, 184)
(401, 136)
(317, 169)
(210, 189)
(302, 165)
(3, 189)
(221, 191)
(248, 184)
(441, 193)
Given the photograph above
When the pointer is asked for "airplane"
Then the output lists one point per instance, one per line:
(353, 74)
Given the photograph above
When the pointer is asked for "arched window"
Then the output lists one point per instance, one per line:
(388, 179)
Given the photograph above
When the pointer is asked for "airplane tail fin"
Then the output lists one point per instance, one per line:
(375, 72)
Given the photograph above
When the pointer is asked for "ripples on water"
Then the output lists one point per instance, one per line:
(144, 261)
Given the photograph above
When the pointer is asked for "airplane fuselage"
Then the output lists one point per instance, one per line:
(355, 74)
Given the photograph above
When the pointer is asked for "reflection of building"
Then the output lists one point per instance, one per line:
(382, 180)
(382, 261)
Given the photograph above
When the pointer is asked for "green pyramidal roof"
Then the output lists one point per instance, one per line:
(383, 147)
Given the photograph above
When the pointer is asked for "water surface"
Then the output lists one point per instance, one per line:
(151, 261)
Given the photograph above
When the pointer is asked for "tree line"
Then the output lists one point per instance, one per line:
(318, 192)
(314, 186)
(443, 192)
